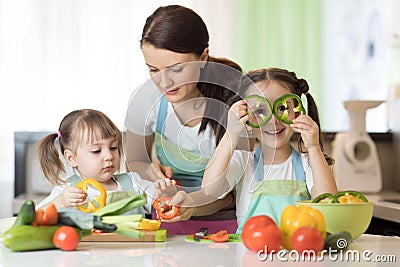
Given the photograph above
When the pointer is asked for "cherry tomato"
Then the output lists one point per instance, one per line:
(307, 238)
(260, 232)
(66, 238)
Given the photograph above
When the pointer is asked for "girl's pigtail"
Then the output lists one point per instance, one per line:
(312, 111)
(49, 159)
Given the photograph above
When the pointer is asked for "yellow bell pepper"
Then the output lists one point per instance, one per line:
(147, 224)
(293, 218)
(97, 202)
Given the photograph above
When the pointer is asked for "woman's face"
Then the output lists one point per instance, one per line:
(275, 134)
(175, 74)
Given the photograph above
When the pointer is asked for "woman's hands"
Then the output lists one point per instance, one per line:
(308, 129)
(160, 171)
(185, 203)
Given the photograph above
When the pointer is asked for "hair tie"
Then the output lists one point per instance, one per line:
(58, 134)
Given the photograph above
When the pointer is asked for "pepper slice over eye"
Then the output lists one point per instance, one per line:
(260, 111)
(351, 197)
(288, 107)
(325, 198)
(97, 202)
(163, 209)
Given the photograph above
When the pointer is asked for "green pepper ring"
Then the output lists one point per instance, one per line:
(259, 100)
(282, 100)
(332, 198)
(353, 193)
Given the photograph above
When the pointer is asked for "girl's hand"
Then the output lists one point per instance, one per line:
(161, 171)
(165, 187)
(308, 129)
(237, 118)
(185, 203)
(72, 197)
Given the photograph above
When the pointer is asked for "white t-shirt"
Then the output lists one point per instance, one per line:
(139, 185)
(240, 176)
(141, 119)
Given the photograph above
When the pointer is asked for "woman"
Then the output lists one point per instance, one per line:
(175, 120)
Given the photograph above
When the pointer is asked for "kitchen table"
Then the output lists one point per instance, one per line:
(368, 250)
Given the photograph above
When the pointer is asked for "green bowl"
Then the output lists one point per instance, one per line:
(353, 218)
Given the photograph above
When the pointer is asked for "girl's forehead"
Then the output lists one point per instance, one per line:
(268, 89)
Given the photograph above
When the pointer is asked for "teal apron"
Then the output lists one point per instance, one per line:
(272, 196)
(188, 167)
(127, 190)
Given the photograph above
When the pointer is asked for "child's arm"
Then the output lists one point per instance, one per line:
(214, 180)
(324, 181)
(69, 197)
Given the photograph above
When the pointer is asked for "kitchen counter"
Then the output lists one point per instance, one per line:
(368, 250)
(386, 205)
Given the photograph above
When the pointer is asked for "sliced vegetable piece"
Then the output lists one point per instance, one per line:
(288, 107)
(260, 112)
(163, 209)
(351, 196)
(97, 202)
(325, 198)
(219, 237)
(147, 224)
(121, 206)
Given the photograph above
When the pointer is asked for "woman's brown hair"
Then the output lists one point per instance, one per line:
(179, 29)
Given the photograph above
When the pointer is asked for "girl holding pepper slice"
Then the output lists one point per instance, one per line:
(92, 145)
(276, 174)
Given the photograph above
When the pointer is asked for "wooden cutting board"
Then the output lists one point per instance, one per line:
(149, 236)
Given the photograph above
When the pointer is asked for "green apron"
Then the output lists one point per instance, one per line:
(127, 190)
(272, 196)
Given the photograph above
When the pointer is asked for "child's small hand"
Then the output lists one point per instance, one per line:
(73, 197)
(308, 129)
(166, 187)
(237, 117)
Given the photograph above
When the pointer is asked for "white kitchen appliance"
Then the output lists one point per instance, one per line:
(357, 164)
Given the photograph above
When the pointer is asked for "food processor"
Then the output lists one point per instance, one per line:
(357, 164)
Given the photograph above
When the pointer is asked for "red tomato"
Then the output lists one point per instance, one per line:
(307, 238)
(260, 232)
(66, 238)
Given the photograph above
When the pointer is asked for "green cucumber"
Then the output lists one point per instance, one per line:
(26, 214)
(338, 241)
(28, 237)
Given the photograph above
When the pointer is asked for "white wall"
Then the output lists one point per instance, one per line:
(61, 55)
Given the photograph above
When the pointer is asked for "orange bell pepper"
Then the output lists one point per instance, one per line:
(97, 202)
(293, 218)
